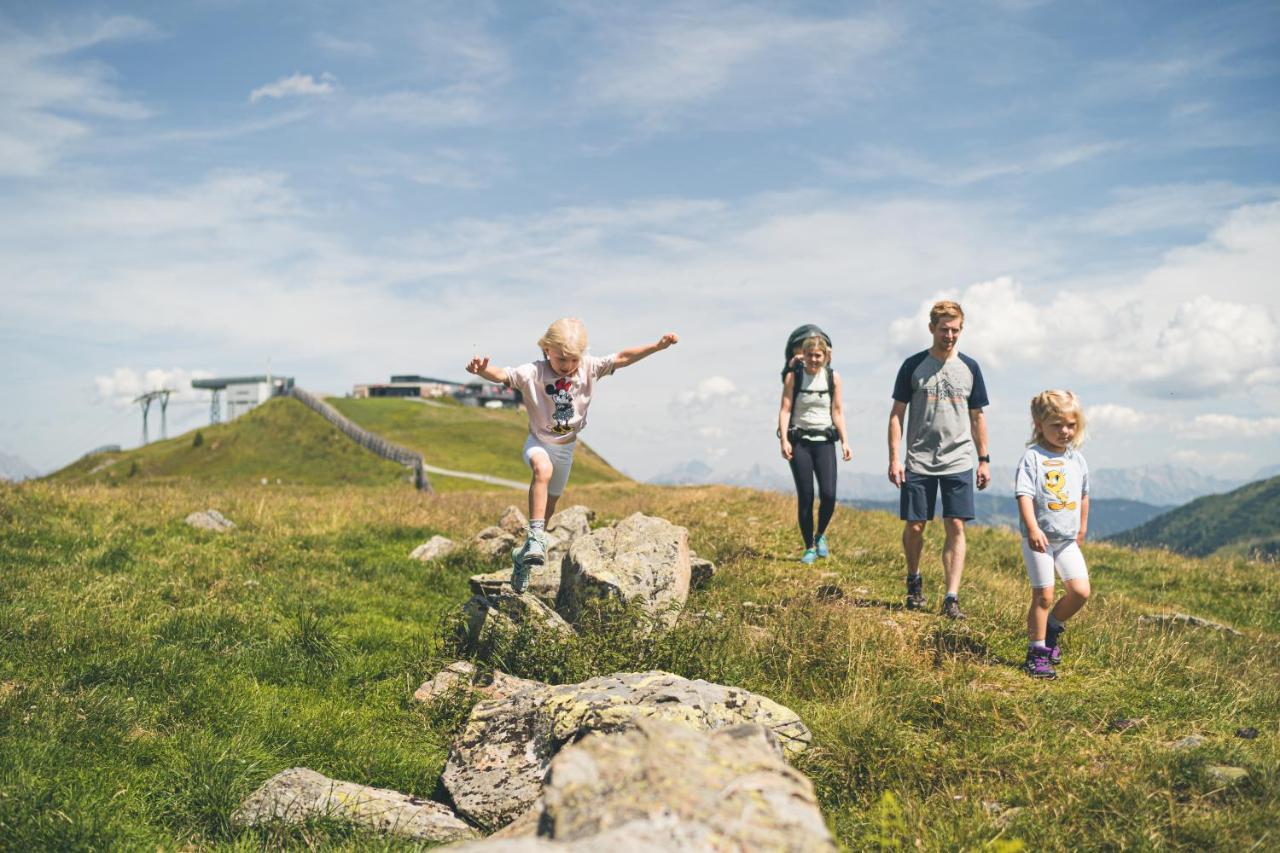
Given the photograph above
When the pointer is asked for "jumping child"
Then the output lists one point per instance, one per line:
(1052, 489)
(557, 390)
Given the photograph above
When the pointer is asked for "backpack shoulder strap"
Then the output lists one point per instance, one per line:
(797, 377)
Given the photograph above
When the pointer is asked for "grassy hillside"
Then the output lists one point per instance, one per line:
(1245, 521)
(464, 438)
(151, 675)
(281, 439)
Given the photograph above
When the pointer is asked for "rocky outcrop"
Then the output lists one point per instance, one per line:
(507, 611)
(701, 571)
(210, 519)
(495, 543)
(544, 582)
(462, 675)
(495, 769)
(433, 548)
(296, 795)
(513, 521)
(642, 559)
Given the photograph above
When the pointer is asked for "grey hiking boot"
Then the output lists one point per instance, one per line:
(915, 592)
(1038, 664)
(951, 609)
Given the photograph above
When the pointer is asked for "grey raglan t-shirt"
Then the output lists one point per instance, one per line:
(1057, 483)
(939, 396)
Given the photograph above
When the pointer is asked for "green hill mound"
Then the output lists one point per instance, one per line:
(465, 438)
(280, 440)
(1245, 522)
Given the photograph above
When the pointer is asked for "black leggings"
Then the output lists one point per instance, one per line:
(809, 458)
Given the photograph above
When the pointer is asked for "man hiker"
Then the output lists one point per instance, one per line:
(942, 392)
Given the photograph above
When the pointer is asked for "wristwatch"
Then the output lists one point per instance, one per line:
(986, 459)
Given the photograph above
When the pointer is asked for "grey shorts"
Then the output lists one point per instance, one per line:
(919, 495)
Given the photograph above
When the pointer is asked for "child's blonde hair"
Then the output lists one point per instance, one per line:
(1048, 404)
(945, 309)
(568, 334)
(816, 342)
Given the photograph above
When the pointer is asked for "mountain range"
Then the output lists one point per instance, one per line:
(14, 468)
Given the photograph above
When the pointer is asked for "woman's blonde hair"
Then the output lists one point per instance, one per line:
(568, 334)
(816, 342)
(1049, 404)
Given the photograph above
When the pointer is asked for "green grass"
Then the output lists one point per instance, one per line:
(152, 675)
(462, 438)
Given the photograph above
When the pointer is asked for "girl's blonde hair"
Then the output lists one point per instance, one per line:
(568, 334)
(1049, 404)
(816, 342)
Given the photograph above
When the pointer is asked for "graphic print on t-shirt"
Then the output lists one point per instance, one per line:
(944, 389)
(563, 400)
(1055, 483)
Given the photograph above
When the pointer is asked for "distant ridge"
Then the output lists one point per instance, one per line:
(15, 469)
(1245, 522)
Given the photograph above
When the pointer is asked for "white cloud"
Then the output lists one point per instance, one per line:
(713, 390)
(1111, 417)
(1142, 209)
(49, 99)
(872, 162)
(123, 385)
(337, 44)
(1210, 347)
(661, 63)
(449, 107)
(295, 86)
(1214, 426)
(1000, 324)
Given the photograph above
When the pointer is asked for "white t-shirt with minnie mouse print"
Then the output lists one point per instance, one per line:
(557, 405)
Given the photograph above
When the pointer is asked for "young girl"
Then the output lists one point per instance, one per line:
(810, 419)
(1052, 488)
(557, 391)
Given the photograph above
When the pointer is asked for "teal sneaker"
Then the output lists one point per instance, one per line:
(823, 551)
(519, 571)
(529, 555)
(810, 556)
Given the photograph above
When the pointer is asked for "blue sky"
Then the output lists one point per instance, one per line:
(348, 192)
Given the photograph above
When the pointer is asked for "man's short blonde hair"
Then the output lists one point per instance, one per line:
(945, 309)
(1048, 405)
(568, 334)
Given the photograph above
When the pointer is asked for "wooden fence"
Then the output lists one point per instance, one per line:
(364, 438)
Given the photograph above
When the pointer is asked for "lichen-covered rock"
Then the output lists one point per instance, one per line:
(570, 523)
(495, 543)
(210, 519)
(661, 786)
(507, 611)
(641, 559)
(495, 768)
(728, 790)
(295, 795)
(513, 521)
(456, 676)
(433, 548)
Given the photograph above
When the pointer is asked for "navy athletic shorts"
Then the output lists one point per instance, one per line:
(919, 496)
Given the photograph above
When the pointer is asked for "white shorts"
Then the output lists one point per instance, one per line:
(1066, 557)
(561, 457)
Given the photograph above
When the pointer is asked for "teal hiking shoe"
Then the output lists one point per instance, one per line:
(821, 544)
(532, 554)
(810, 556)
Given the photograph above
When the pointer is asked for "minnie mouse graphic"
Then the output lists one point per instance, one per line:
(559, 394)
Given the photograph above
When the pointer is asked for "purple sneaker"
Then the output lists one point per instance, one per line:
(1055, 654)
(1038, 664)
(1053, 640)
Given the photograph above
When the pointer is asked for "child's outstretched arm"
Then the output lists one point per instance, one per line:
(631, 356)
(480, 367)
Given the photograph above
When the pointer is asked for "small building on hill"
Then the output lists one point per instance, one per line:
(242, 393)
(408, 385)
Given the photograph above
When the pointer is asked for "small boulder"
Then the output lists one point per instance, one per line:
(455, 676)
(570, 523)
(506, 612)
(495, 543)
(544, 582)
(495, 768)
(1189, 742)
(433, 548)
(641, 559)
(296, 795)
(701, 571)
(513, 521)
(210, 519)
(1226, 775)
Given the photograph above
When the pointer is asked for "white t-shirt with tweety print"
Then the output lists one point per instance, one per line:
(1056, 484)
